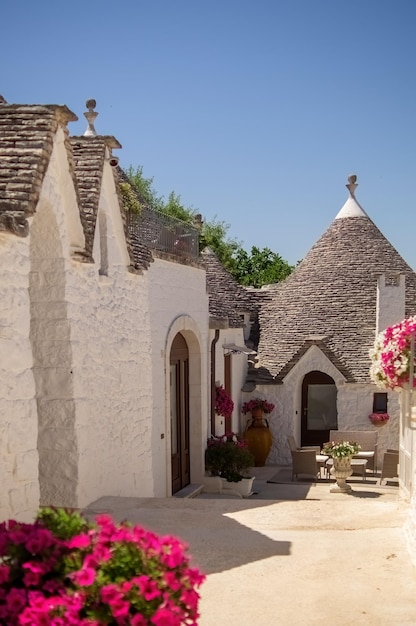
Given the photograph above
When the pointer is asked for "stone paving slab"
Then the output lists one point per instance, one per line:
(311, 558)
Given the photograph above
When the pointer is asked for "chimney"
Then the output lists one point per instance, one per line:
(391, 299)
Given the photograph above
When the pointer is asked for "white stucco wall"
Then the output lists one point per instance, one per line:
(19, 488)
(238, 373)
(391, 302)
(354, 404)
(407, 465)
(178, 303)
(111, 348)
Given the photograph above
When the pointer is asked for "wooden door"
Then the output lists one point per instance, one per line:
(179, 413)
(319, 408)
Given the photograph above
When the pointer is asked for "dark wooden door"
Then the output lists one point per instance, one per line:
(179, 413)
(319, 408)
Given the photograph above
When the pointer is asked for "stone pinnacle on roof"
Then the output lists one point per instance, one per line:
(351, 208)
(90, 116)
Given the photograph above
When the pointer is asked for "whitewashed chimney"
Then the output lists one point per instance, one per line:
(391, 295)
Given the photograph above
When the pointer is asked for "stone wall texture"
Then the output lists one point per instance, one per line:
(19, 492)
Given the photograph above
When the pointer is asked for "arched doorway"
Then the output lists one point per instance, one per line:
(319, 408)
(179, 413)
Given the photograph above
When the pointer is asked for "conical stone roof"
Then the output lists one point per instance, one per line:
(330, 298)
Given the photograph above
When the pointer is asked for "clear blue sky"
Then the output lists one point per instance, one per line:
(252, 111)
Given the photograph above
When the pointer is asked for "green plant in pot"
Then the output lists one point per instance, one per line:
(228, 457)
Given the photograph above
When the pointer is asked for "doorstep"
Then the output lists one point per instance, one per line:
(190, 491)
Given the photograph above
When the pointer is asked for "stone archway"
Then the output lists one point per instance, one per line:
(179, 413)
(197, 400)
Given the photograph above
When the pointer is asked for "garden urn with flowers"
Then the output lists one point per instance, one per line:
(341, 453)
(257, 432)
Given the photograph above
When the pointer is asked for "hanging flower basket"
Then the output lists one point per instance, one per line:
(391, 356)
(223, 403)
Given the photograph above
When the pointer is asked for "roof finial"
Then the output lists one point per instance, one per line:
(90, 115)
(352, 185)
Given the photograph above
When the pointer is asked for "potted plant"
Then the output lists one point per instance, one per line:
(257, 433)
(379, 419)
(63, 569)
(228, 457)
(341, 453)
(257, 406)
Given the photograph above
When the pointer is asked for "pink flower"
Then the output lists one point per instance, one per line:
(4, 573)
(16, 600)
(138, 620)
(257, 403)
(84, 577)
(164, 617)
(80, 541)
(148, 588)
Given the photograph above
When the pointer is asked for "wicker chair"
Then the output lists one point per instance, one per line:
(321, 459)
(390, 465)
(304, 462)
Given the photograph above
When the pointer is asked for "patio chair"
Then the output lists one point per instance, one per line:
(390, 465)
(321, 459)
(292, 445)
(304, 462)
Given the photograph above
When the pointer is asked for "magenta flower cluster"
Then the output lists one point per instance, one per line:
(223, 404)
(257, 403)
(106, 574)
(229, 438)
(379, 417)
(391, 355)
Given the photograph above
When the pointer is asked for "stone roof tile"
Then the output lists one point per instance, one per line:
(332, 293)
(26, 141)
(227, 299)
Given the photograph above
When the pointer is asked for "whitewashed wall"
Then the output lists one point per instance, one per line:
(238, 375)
(178, 303)
(19, 487)
(407, 465)
(354, 404)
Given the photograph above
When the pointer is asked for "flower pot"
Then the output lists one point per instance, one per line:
(259, 440)
(341, 470)
(379, 422)
(257, 414)
(243, 488)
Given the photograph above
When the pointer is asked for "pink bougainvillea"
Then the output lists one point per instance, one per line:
(223, 404)
(257, 403)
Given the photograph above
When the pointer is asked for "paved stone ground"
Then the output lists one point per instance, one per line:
(291, 554)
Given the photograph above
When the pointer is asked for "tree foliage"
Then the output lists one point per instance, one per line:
(260, 267)
(257, 268)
